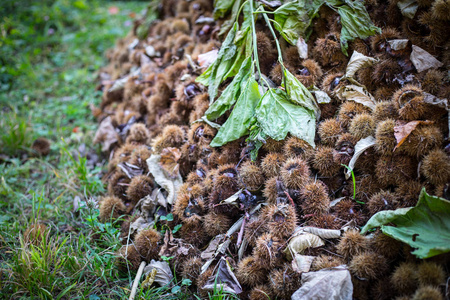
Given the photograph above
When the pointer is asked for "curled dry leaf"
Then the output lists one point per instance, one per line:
(358, 61)
(358, 94)
(402, 130)
(316, 285)
(301, 241)
(302, 48)
(423, 60)
(323, 233)
(398, 44)
(361, 146)
(170, 184)
(140, 224)
(408, 7)
(163, 273)
(223, 279)
(106, 135)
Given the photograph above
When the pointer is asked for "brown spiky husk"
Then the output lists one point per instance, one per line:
(295, 173)
(271, 164)
(368, 265)
(436, 167)
(111, 208)
(352, 243)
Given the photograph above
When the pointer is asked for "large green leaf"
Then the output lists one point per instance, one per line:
(221, 7)
(425, 227)
(293, 19)
(238, 123)
(298, 93)
(229, 96)
(355, 23)
(277, 117)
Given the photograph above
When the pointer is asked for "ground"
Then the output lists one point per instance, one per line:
(50, 54)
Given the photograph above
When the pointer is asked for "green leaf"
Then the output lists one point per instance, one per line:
(229, 96)
(298, 93)
(238, 122)
(425, 227)
(355, 23)
(293, 20)
(228, 24)
(176, 228)
(277, 117)
(221, 7)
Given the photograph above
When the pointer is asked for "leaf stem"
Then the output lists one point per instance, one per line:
(255, 41)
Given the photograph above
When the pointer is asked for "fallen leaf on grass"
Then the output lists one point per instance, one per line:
(402, 130)
(106, 135)
(224, 279)
(163, 273)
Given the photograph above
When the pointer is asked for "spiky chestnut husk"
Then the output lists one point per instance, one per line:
(281, 219)
(201, 133)
(328, 221)
(147, 244)
(362, 126)
(35, 234)
(295, 173)
(349, 110)
(382, 290)
(231, 152)
(344, 148)
(225, 185)
(314, 198)
(384, 137)
(347, 210)
(385, 245)
(408, 192)
(384, 110)
(191, 269)
(329, 131)
(428, 293)
(409, 101)
(284, 281)
(138, 134)
(291, 57)
(270, 191)
(422, 140)
(326, 261)
(433, 81)
(215, 224)
(276, 74)
(352, 243)
(295, 147)
(156, 104)
(309, 72)
(268, 250)
(254, 228)
(330, 82)
(361, 46)
(251, 175)
(261, 292)
(128, 258)
(171, 136)
(366, 162)
(430, 273)
(271, 164)
(361, 288)
(404, 279)
(266, 53)
(201, 105)
(328, 110)
(441, 10)
(139, 157)
(328, 51)
(272, 145)
(111, 208)
(250, 272)
(323, 161)
(385, 72)
(140, 186)
(189, 207)
(41, 146)
(383, 200)
(393, 170)
(443, 191)
(194, 233)
(379, 42)
(368, 265)
(384, 93)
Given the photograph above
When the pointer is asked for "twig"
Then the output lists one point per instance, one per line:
(136, 280)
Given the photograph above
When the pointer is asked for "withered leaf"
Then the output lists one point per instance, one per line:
(169, 161)
(402, 130)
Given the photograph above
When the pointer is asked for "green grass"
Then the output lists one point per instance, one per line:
(50, 54)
